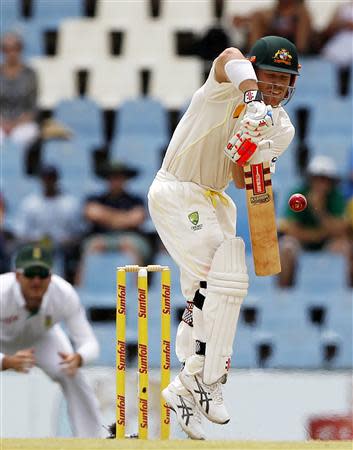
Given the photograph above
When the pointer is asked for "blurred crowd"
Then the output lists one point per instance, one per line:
(115, 219)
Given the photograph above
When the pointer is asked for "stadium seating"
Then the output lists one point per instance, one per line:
(174, 82)
(234, 7)
(12, 159)
(342, 340)
(123, 12)
(196, 14)
(83, 117)
(140, 44)
(50, 14)
(14, 192)
(294, 347)
(10, 13)
(74, 160)
(321, 268)
(98, 281)
(121, 84)
(135, 150)
(312, 83)
(333, 119)
(55, 79)
(91, 46)
(142, 117)
(244, 350)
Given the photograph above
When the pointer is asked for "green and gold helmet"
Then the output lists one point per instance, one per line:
(277, 54)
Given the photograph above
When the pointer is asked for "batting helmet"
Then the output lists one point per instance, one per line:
(277, 54)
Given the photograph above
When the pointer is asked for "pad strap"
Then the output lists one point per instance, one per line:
(199, 299)
(200, 348)
(187, 314)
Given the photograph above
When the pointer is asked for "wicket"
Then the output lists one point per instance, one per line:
(142, 296)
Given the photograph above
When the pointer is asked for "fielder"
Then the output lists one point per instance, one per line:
(32, 303)
(235, 116)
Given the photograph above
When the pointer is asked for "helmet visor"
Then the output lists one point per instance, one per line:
(276, 94)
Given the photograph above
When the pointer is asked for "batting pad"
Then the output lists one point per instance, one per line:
(227, 285)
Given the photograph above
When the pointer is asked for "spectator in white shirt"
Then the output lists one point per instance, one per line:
(32, 304)
(52, 218)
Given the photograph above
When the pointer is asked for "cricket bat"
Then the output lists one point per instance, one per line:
(262, 219)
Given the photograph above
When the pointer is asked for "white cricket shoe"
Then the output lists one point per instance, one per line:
(208, 397)
(187, 413)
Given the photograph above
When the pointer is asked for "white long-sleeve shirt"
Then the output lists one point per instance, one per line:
(196, 150)
(21, 329)
(55, 217)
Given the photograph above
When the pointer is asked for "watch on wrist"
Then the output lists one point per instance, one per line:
(253, 96)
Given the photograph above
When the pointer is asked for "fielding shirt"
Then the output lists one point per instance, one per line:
(196, 150)
(21, 328)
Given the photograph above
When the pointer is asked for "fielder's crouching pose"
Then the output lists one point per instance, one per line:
(235, 116)
(33, 302)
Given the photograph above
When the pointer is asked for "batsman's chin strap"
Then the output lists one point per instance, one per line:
(214, 196)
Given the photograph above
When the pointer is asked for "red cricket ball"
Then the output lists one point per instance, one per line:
(297, 202)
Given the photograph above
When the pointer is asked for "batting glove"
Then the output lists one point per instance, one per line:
(258, 118)
(240, 148)
(243, 148)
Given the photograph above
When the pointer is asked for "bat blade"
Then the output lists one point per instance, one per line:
(262, 219)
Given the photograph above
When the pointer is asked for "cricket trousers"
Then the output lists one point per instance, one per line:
(83, 408)
(192, 222)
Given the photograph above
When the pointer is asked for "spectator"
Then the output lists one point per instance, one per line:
(7, 241)
(18, 95)
(339, 44)
(322, 225)
(53, 219)
(33, 302)
(349, 196)
(287, 18)
(116, 216)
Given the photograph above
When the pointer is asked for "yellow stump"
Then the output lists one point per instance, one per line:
(120, 352)
(165, 350)
(142, 354)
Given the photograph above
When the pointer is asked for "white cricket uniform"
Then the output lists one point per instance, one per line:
(187, 203)
(19, 329)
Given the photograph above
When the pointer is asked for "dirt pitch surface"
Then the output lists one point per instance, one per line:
(132, 444)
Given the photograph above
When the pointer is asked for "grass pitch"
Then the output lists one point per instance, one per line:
(135, 444)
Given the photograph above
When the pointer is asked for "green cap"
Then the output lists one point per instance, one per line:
(33, 256)
(275, 53)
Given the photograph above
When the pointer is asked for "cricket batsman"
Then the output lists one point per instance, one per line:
(236, 114)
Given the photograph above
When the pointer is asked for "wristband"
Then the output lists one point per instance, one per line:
(252, 96)
(239, 70)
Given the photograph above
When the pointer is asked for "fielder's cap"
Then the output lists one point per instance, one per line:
(118, 168)
(33, 256)
(322, 166)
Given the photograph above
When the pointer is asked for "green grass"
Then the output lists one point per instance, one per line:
(131, 444)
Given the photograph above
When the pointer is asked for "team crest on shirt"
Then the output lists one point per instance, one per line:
(48, 322)
(283, 56)
(194, 219)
